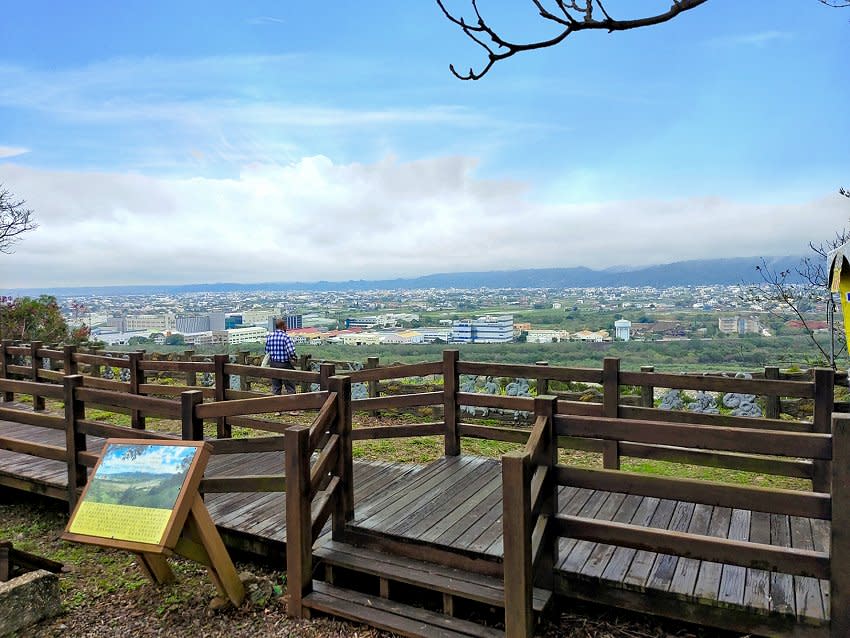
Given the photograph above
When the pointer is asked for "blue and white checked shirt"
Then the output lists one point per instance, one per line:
(280, 346)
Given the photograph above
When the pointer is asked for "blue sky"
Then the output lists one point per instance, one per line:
(255, 141)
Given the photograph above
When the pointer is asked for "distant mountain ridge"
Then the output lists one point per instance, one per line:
(683, 273)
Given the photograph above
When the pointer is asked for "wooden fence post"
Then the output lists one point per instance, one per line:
(193, 427)
(450, 405)
(94, 368)
(647, 392)
(611, 409)
(542, 382)
(304, 364)
(516, 530)
(839, 549)
(137, 419)
(75, 441)
(547, 406)
(222, 383)
(772, 403)
(326, 371)
(372, 363)
(35, 365)
(344, 510)
(242, 359)
(69, 363)
(824, 379)
(4, 362)
(191, 376)
(299, 535)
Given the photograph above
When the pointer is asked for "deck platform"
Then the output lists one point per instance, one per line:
(455, 505)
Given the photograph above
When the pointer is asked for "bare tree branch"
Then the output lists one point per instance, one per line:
(577, 16)
(15, 220)
(835, 4)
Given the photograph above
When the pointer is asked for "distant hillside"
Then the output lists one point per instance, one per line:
(684, 273)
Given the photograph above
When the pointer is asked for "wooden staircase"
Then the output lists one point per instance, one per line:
(453, 585)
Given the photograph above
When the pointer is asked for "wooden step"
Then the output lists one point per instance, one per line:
(388, 615)
(447, 580)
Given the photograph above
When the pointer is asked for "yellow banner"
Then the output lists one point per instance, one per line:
(844, 289)
(120, 522)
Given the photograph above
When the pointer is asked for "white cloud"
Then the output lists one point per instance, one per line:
(756, 39)
(314, 219)
(266, 20)
(12, 151)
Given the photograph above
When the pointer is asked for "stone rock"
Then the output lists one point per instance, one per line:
(28, 599)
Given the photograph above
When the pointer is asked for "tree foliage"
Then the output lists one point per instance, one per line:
(30, 319)
(15, 220)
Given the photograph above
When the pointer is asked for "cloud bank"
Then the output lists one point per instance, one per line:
(314, 219)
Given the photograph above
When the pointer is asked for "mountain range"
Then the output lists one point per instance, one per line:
(729, 271)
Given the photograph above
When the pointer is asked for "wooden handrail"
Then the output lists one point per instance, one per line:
(323, 420)
(247, 483)
(793, 444)
(397, 372)
(260, 405)
(771, 500)
(800, 389)
(787, 560)
(323, 465)
(150, 405)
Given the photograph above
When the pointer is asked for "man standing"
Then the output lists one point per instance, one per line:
(281, 352)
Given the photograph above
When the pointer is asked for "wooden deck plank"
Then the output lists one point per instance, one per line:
(485, 520)
(643, 560)
(661, 574)
(708, 581)
(581, 551)
(621, 560)
(820, 538)
(687, 569)
(428, 509)
(781, 585)
(400, 501)
(601, 554)
(808, 602)
(465, 502)
(377, 505)
(757, 587)
(733, 578)
(572, 506)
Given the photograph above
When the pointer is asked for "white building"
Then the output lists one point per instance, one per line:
(251, 334)
(490, 329)
(622, 329)
(541, 335)
(431, 334)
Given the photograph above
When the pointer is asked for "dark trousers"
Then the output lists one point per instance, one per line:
(277, 383)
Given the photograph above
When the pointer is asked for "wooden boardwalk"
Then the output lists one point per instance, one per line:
(456, 503)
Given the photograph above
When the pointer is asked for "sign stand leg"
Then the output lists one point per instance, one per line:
(155, 567)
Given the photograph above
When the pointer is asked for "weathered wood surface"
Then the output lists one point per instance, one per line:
(456, 503)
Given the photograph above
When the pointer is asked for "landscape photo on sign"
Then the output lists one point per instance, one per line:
(133, 492)
(141, 475)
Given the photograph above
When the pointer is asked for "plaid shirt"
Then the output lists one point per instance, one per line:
(279, 346)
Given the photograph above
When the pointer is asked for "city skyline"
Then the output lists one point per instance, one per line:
(171, 145)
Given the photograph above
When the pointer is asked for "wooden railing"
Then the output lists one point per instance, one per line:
(532, 530)
(817, 387)
(529, 501)
(317, 489)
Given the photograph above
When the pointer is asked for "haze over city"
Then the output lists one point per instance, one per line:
(162, 143)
